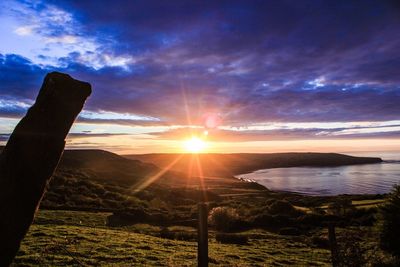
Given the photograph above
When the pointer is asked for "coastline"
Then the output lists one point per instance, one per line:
(358, 179)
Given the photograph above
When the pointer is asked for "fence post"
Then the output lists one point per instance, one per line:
(32, 154)
(202, 239)
(333, 245)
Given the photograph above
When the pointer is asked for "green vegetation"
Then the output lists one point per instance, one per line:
(89, 218)
(67, 238)
(368, 203)
(75, 189)
(223, 218)
(390, 240)
(77, 238)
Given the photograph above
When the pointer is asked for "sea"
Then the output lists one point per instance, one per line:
(377, 178)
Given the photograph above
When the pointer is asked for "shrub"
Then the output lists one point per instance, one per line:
(318, 220)
(390, 233)
(282, 207)
(269, 202)
(318, 211)
(185, 236)
(351, 251)
(223, 218)
(264, 220)
(268, 221)
(231, 238)
(289, 231)
(312, 219)
(365, 220)
(167, 234)
(340, 207)
(320, 242)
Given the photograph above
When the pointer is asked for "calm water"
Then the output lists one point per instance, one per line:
(356, 179)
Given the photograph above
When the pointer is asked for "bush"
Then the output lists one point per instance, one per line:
(185, 236)
(390, 233)
(351, 251)
(318, 211)
(231, 238)
(268, 221)
(289, 231)
(282, 207)
(312, 219)
(320, 242)
(318, 220)
(264, 220)
(340, 207)
(223, 218)
(167, 234)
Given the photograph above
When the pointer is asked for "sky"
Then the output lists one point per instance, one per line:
(246, 76)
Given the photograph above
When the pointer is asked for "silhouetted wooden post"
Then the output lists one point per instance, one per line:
(32, 154)
(202, 245)
(333, 245)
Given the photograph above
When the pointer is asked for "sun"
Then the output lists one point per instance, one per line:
(195, 145)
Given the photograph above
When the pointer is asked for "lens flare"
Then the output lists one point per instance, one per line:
(195, 145)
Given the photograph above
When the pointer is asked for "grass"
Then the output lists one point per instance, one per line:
(364, 204)
(69, 238)
(368, 203)
(303, 209)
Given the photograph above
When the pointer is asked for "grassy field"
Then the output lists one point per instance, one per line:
(372, 203)
(69, 238)
(83, 238)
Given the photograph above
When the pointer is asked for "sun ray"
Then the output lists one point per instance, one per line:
(183, 91)
(201, 178)
(189, 170)
(142, 185)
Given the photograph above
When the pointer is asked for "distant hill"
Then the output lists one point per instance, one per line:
(98, 179)
(101, 180)
(234, 164)
(107, 166)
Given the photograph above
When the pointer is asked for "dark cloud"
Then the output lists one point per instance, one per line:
(123, 122)
(274, 135)
(4, 137)
(247, 61)
(89, 134)
(19, 77)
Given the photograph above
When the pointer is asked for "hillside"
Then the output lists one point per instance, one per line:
(234, 164)
(101, 180)
(106, 166)
(93, 201)
(66, 238)
(98, 179)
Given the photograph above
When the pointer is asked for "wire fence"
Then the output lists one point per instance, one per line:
(72, 241)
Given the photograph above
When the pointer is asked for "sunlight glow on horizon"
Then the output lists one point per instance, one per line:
(195, 145)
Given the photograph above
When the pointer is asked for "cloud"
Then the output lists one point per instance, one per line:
(279, 134)
(4, 137)
(44, 32)
(247, 62)
(89, 134)
(13, 108)
(20, 78)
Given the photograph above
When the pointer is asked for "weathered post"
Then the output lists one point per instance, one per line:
(32, 154)
(333, 245)
(202, 245)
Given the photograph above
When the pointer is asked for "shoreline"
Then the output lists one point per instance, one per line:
(317, 192)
